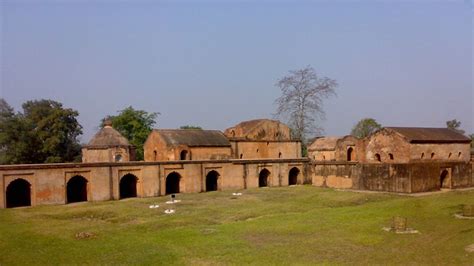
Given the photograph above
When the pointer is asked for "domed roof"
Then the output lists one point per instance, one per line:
(108, 137)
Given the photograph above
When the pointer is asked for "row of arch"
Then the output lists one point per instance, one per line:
(18, 192)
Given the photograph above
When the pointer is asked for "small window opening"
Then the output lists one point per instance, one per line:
(349, 154)
(184, 155)
(155, 155)
(279, 155)
(377, 157)
(241, 156)
(432, 155)
(118, 158)
(459, 154)
(391, 156)
(324, 158)
(450, 154)
(257, 150)
(422, 155)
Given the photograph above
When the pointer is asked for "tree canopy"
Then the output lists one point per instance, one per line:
(135, 125)
(44, 133)
(301, 102)
(365, 127)
(455, 125)
(190, 127)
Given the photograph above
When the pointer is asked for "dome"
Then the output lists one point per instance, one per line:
(108, 137)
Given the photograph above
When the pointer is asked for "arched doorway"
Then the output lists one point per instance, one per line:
(128, 186)
(349, 154)
(293, 176)
(18, 193)
(211, 181)
(263, 178)
(183, 155)
(172, 183)
(76, 189)
(445, 179)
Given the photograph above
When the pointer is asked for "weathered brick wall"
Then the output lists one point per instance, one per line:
(266, 149)
(49, 181)
(403, 178)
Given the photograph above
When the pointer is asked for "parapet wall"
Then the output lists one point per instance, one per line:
(49, 182)
(402, 178)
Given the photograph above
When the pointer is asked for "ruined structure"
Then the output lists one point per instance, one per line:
(405, 145)
(335, 149)
(396, 159)
(262, 139)
(186, 144)
(108, 145)
(257, 153)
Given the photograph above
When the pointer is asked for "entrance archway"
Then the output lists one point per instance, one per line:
(349, 154)
(293, 176)
(172, 183)
(76, 189)
(445, 179)
(263, 178)
(211, 181)
(128, 186)
(18, 193)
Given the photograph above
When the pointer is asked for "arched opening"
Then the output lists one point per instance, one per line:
(349, 154)
(459, 154)
(445, 179)
(432, 155)
(241, 156)
(293, 176)
(422, 155)
(155, 155)
(18, 193)
(263, 178)
(76, 190)
(211, 181)
(390, 155)
(449, 155)
(377, 157)
(128, 186)
(118, 158)
(279, 155)
(183, 155)
(172, 183)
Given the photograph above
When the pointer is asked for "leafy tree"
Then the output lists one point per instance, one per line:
(303, 92)
(455, 125)
(135, 125)
(365, 127)
(44, 133)
(190, 127)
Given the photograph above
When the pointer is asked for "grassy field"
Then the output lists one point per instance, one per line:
(295, 225)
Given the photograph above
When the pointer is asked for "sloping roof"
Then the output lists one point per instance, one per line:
(248, 126)
(430, 135)
(324, 144)
(193, 137)
(108, 137)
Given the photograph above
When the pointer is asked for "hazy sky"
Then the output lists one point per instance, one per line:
(214, 64)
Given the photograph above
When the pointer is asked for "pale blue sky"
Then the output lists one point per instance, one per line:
(214, 64)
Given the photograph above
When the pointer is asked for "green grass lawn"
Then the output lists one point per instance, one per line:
(295, 225)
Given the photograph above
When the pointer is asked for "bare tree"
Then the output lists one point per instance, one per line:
(303, 92)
